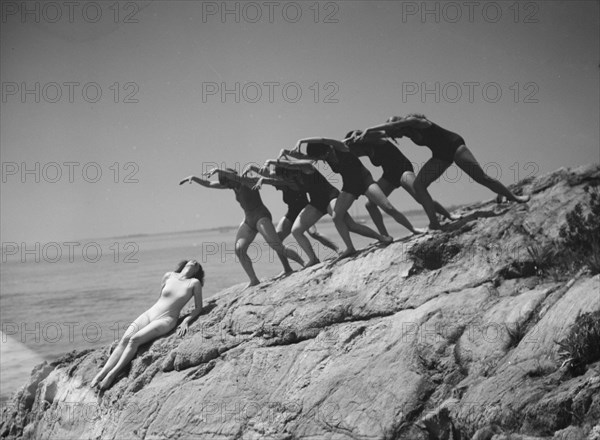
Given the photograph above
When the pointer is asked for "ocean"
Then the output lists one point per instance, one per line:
(83, 294)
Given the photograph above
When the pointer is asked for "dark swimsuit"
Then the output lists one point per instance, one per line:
(251, 203)
(320, 191)
(442, 143)
(295, 200)
(355, 177)
(391, 160)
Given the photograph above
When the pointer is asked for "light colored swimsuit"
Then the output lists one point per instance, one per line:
(165, 312)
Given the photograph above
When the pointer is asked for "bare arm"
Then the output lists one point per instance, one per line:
(304, 165)
(338, 145)
(203, 182)
(410, 122)
(278, 183)
(197, 292)
(233, 176)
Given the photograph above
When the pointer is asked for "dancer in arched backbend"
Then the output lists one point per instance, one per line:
(257, 219)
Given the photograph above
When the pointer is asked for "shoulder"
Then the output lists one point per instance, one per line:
(167, 275)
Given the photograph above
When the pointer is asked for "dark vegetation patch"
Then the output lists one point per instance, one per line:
(577, 247)
(581, 346)
(432, 254)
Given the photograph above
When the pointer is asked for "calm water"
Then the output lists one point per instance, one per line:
(50, 308)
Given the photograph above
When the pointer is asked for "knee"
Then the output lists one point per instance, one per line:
(297, 231)
(125, 340)
(387, 207)
(240, 249)
(134, 341)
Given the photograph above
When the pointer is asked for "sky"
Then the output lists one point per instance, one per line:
(106, 106)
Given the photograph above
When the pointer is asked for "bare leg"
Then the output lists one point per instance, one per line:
(307, 218)
(376, 216)
(408, 183)
(431, 171)
(245, 236)
(312, 231)
(150, 332)
(139, 323)
(467, 162)
(284, 228)
(342, 204)
(266, 229)
(377, 196)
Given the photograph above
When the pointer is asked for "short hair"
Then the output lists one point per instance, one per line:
(317, 149)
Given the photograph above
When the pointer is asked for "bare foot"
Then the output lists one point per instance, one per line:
(522, 199)
(285, 273)
(311, 262)
(420, 231)
(346, 253)
(386, 239)
(251, 284)
(107, 382)
(454, 217)
(95, 380)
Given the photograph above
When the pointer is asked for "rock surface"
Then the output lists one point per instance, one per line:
(445, 336)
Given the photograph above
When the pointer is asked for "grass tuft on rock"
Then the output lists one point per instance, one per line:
(581, 346)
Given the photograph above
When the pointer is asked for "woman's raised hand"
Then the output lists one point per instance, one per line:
(247, 169)
(188, 179)
(210, 172)
(258, 184)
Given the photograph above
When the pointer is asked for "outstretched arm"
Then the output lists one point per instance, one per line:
(410, 122)
(234, 177)
(276, 182)
(183, 327)
(203, 182)
(304, 165)
(338, 145)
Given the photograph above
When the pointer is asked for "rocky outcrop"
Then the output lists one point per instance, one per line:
(447, 336)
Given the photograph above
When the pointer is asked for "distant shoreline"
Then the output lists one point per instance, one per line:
(228, 228)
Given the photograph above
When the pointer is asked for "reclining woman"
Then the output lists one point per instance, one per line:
(293, 196)
(398, 172)
(356, 181)
(178, 287)
(446, 147)
(257, 218)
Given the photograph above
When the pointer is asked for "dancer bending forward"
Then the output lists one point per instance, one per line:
(447, 147)
(257, 218)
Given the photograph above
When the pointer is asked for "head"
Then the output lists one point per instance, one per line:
(191, 269)
(353, 133)
(318, 150)
(228, 182)
(394, 119)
